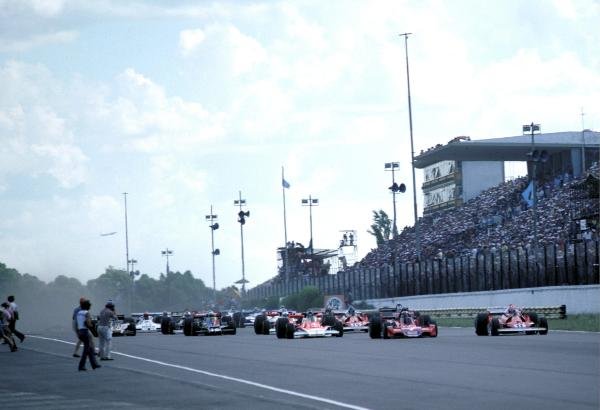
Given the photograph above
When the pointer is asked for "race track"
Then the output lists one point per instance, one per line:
(456, 370)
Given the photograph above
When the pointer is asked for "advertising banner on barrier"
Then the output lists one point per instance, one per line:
(335, 302)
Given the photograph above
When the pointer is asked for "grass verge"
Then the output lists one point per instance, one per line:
(583, 322)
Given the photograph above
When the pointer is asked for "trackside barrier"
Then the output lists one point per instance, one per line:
(551, 312)
(558, 264)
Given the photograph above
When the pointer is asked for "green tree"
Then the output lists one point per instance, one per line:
(113, 284)
(308, 297)
(381, 228)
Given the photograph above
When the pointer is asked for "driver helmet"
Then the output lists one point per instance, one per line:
(511, 309)
(351, 311)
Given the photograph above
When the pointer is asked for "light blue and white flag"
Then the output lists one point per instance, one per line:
(527, 194)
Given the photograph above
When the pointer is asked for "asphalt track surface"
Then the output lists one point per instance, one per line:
(456, 370)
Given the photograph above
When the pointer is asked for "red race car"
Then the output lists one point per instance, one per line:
(509, 320)
(295, 326)
(401, 322)
(352, 320)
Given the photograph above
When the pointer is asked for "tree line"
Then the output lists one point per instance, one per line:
(45, 304)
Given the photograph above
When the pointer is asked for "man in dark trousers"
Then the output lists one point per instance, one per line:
(14, 309)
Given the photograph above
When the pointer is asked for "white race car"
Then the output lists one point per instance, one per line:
(147, 324)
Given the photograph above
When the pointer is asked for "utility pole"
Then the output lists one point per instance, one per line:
(242, 220)
(412, 151)
(213, 227)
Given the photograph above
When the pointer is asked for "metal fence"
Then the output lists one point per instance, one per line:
(552, 265)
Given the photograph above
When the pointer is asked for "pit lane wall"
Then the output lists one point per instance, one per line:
(578, 299)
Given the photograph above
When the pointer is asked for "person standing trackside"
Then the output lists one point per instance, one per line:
(14, 310)
(104, 330)
(84, 322)
(74, 322)
(4, 329)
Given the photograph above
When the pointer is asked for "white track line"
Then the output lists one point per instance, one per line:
(222, 376)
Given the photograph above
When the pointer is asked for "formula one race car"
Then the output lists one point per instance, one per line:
(352, 320)
(295, 326)
(148, 322)
(401, 322)
(208, 323)
(510, 320)
(123, 326)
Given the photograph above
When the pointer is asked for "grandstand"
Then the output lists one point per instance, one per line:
(460, 170)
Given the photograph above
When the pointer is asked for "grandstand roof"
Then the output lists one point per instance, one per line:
(506, 149)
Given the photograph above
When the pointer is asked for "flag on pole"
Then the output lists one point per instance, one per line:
(284, 183)
(527, 194)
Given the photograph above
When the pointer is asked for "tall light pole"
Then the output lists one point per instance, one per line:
(534, 156)
(392, 166)
(126, 234)
(242, 220)
(132, 274)
(310, 202)
(167, 252)
(412, 150)
(214, 252)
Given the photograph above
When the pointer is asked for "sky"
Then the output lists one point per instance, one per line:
(185, 104)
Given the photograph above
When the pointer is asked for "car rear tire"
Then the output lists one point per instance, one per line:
(289, 331)
(258, 324)
(281, 327)
(339, 327)
(425, 320)
(481, 324)
(495, 327)
(266, 326)
(164, 325)
(187, 326)
(543, 323)
(375, 328)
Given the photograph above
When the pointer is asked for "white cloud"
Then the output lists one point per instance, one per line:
(66, 163)
(37, 40)
(189, 40)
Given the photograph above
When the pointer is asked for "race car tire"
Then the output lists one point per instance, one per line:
(258, 324)
(266, 326)
(339, 326)
(375, 328)
(289, 331)
(543, 323)
(281, 327)
(481, 324)
(132, 332)
(164, 325)
(495, 327)
(187, 326)
(424, 320)
(328, 320)
(238, 319)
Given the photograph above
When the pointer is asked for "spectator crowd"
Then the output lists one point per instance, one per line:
(499, 218)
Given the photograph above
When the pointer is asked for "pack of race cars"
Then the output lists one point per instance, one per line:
(384, 323)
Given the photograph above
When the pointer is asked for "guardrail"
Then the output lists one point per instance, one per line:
(551, 312)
